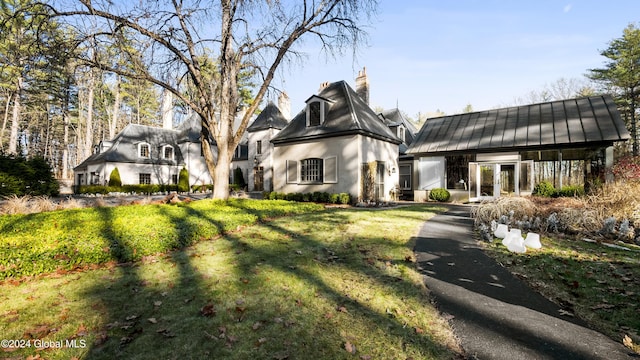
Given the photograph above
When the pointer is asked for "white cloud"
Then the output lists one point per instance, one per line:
(567, 8)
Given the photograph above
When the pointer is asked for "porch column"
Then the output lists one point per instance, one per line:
(608, 164)
(560, 175)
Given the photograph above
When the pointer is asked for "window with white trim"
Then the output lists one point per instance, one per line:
(144, 150)
(311, 170)
(167, 152)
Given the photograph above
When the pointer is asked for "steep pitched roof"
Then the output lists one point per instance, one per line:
(556, 124)
(124, 146)
(394, 117)
(269, 118)
(347, 114)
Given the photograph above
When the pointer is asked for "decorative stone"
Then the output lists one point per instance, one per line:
(533, 241)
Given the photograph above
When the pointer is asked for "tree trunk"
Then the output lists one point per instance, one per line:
(15, 121)
(113, 124)
(5, 120)
(88, 137)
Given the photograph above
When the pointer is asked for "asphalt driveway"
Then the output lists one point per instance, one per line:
(494, 314)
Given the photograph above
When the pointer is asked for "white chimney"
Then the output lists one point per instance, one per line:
(284, 104)
(167, 109)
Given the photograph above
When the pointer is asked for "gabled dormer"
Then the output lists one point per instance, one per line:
(317, 110)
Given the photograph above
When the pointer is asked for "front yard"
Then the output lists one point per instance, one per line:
(325, 284)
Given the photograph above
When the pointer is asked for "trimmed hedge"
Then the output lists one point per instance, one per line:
(127, 189)
(316, 197)
(546, 189)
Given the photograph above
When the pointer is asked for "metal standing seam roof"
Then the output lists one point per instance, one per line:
(347, 114)
(561, 124)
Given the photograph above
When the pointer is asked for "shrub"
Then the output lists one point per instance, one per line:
(334, 198)
(21, 176)
(544, 189)
(183, 180)
(344, 198)
(114, 178)
(439, 194)
(571, 190)
(627, 168)
(238, 178)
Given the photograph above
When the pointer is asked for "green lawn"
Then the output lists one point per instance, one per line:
(254, 284)
(597, 283)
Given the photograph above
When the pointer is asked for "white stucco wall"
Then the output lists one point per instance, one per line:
(351, 152)
(265, 159)
(195, 164)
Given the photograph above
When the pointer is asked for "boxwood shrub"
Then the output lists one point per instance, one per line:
(439, 194)
(317, 197)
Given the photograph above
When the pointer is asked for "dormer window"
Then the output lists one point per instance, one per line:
(144, 150)
(317, 109)
(314, 114)
(167, 152)
(401, 133)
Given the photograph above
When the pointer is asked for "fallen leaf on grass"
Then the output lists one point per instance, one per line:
(419, 330)
(365, 357)
(208, 310)
(565, 313)
(157, 303)
(261, 341)
(627, 341)
(256, 325)
(152, 320)
(281, 356)
(166, 333)
(342, 309)
(350, 347)
(131, 317)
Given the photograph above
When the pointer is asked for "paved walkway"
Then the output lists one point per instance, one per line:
(494, 314)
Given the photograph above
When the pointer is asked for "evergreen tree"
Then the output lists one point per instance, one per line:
(621, 75)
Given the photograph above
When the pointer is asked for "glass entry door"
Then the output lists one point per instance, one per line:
(489, 180)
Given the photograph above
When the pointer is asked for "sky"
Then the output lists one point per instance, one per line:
(429, 55)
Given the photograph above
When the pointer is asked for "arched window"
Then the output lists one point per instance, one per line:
(144, 150)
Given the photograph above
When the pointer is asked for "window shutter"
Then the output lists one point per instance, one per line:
(292, 172)
(331, 170)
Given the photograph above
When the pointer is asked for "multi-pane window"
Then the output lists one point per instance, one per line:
(144, 150)
(311, 170)
(259, 147)
(174, 178)
(168, 152)
(145, 179)
(314, 113)
(405, 177)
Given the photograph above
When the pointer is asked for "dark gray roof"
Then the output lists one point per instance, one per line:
(269, 118)
(347, 114)
(394, 117)
(590, 121)
(125, 146)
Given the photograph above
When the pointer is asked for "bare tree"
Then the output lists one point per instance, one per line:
(252, 35)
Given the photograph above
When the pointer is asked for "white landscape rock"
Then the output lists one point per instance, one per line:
(514, 241)
(533, 241)
(501, 231)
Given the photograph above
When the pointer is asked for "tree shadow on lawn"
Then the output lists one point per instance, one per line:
(267, 301)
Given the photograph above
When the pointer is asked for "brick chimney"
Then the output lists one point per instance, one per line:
(284, 104)
(323, 85)
(362, 85)
(167, 109)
